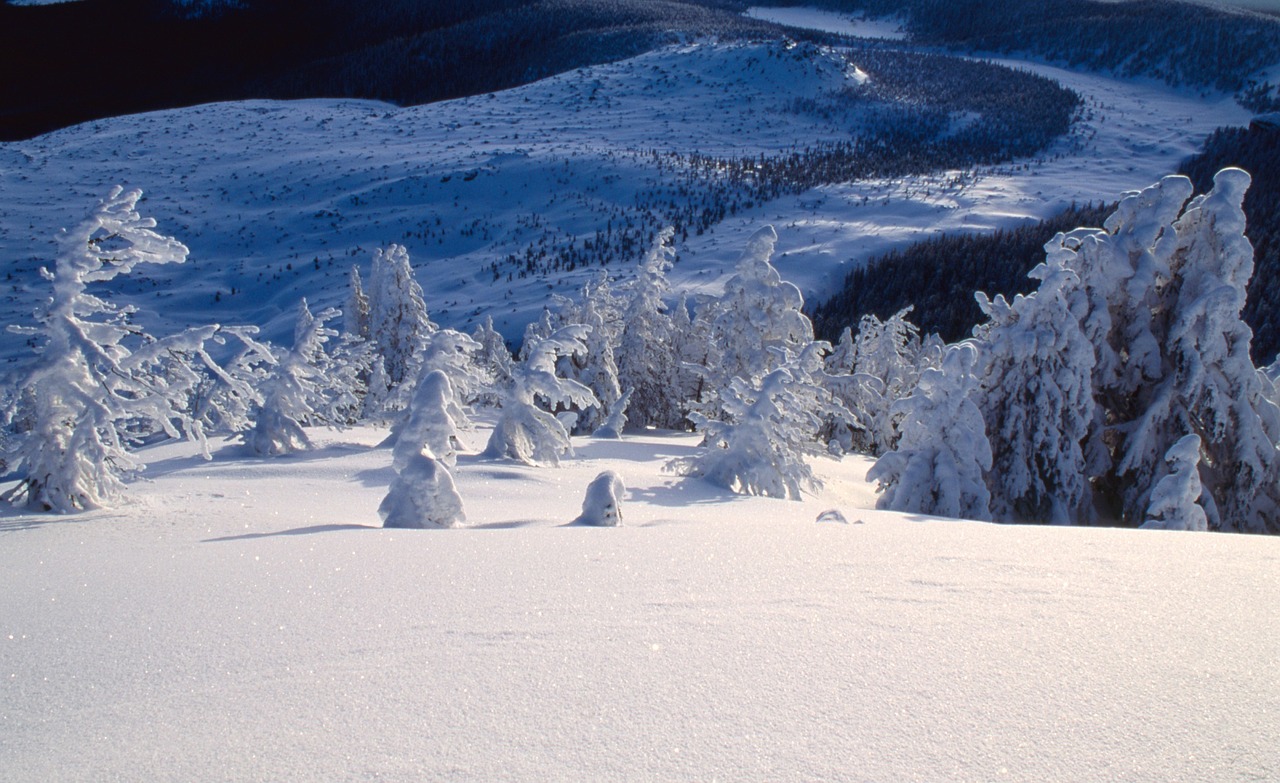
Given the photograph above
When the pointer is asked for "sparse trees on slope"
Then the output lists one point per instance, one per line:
(939, 463)
(72, 406)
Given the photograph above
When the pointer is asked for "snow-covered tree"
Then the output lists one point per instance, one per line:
(1037, 400)
(430, 428)
(938, 466)
(616, 421)
(526, 432)
(355, 314)
(398, 322)
(294, 395)
(1175, 500)
(494, 360)
(97, 374)
(422, 495)
(758, 319)
(602, 506)
(883, 360)
(768, 429)
(647, 355)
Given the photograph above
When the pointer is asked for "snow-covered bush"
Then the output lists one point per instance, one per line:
(616, 421)
(1175, 499)
(526, 432)
(430, 428)
(943, 453)
(602, 506)
(97, 375)
(422, 495)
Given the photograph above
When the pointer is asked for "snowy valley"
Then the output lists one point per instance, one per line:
(796, 590)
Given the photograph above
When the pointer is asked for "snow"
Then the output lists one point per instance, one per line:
(857, 25)
(278, 199)
(248, 620)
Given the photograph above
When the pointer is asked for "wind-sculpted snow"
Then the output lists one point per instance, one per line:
(246, 621)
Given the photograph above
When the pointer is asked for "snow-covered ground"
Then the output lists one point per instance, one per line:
(861, 26)
(247, 620)
(277, 199)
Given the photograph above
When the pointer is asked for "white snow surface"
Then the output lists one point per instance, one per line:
(247, 620)
(278, 199)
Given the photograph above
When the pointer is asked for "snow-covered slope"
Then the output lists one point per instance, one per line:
(247, 620)
(277, 199)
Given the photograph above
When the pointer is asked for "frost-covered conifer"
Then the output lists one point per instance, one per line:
(525, 431)
(294, 395)
(938, 465)
(1036, 397)
(422, 495)
(96, 373)
(355, 314)
(616, 421)
(885, 357)
(1175, 500)
(398, 322)
(647, 355)
(760, 445)
(602, 506)
(759, 316)
(430, 428)
(494, 361)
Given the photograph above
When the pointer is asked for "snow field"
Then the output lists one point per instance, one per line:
(242, 620)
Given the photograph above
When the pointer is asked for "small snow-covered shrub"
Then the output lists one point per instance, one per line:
(602, 506)
(422, 495)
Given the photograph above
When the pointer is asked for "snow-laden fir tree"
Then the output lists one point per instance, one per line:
(939, 464)
(422, 495)
(769, 427)
(1036, 396)
(71, 409)
(883, 360)
(494, 361)
(648, 351)
(355, 313)
(1209, 385)
(452, 353)
(594, 368)
(1175, 501)
(430, 428)
(527, 431)
(602, 506)
(616, 421)
(295, 393)
(398, 321)
(758, 318)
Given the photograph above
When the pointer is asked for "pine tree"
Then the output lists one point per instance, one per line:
(526, 432)
(647, 355)
(398, 321)
(294, 395)
(938, 466)
(430, 428)
(1036, 397)
(97, 374)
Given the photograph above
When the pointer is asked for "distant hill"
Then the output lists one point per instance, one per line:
(97, 58)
